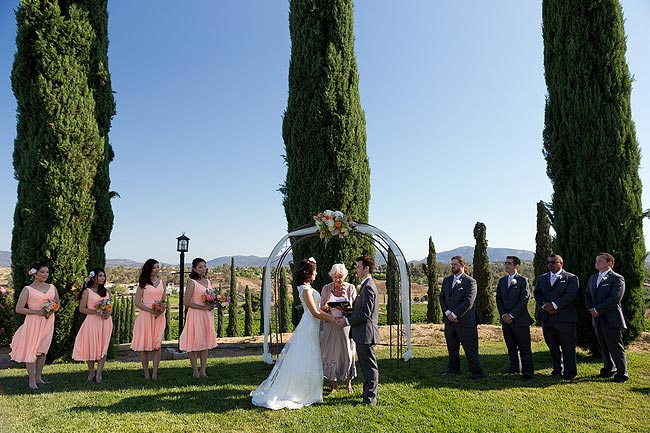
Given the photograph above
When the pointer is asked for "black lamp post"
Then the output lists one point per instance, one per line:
(182, 245)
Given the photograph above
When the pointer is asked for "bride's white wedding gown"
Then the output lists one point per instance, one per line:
(297, 377)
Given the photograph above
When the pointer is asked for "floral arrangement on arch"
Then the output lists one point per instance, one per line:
(333, 224)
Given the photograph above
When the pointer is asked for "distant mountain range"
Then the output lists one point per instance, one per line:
(494, 254)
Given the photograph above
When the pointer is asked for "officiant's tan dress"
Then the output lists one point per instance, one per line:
(337, 349)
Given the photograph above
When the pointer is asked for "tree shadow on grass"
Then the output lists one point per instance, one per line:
(426, 372)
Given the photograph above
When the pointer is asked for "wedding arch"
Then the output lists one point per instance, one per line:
(380, 239)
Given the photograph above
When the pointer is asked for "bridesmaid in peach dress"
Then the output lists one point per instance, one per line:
(94, 336)
(32, 340)
(198, 335)
(149, 326)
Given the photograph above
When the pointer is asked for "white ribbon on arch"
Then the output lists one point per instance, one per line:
(361, 228)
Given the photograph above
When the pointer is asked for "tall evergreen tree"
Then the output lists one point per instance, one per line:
(100, 82)
(284, 303)
(262, 303)
(591, 149)
(324, 131)
(248, 312)
(543, 242)
(220, 326)
(430, 268)
(485, 301)
(392, 290)
(57, 151)
(233, 326)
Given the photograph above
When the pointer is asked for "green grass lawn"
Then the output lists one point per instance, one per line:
(412, 398)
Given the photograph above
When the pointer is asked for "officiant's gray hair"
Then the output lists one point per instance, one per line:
(339, 268)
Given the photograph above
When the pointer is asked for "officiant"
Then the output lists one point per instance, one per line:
(337, 349)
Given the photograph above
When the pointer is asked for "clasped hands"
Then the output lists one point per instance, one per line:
(593, 312)
(507, 318)
(340, 321)
(452, 318)
(548, 307)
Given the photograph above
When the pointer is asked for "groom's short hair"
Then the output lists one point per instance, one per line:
(367, 261)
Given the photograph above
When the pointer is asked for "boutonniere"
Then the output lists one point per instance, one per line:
(559, 277)
(458, 281)
(604, 277)
(513, 282)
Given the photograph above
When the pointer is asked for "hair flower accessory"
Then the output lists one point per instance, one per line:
(312, 260)
(32, 271)
(91, 274)
(333, 224)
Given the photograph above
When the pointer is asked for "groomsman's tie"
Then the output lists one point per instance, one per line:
(553, 277)
(600, 279)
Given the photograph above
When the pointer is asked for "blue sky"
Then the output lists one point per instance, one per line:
(453, 93)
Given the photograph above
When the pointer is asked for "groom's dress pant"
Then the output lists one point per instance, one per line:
(370, 370)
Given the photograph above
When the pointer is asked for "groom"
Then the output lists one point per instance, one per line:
(364, 331)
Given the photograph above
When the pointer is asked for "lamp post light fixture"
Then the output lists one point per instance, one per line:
(182, 246)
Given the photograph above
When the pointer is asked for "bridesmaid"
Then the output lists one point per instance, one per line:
(32, 340)
(198, 335)
(149, 325)
(94, 336)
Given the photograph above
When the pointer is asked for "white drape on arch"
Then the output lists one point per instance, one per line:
(361, 228)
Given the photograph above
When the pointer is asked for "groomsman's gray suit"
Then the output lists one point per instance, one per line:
(364, 331)
(606, 299)
(460, 299)
(513, 300)
(559, 329)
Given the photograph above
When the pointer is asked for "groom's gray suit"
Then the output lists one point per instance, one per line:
(364, 331)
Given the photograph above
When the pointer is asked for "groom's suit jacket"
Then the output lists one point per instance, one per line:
(563, 293)
(364, 318)
(606, 299)
(459, 299)
(513, 299)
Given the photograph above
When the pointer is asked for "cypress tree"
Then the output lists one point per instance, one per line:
(57, 150)
(167, 333)
(233, 327)
(324, 131)
(131, 318)
(485, 301)
(430, 268)
(100, 81)
(248, 312)
(392, 290)
(543, 241)
(220, 332)
(591, 150)
(284, 303)
(124, 319)
(262, 303)
(296, 311)
(116, 319)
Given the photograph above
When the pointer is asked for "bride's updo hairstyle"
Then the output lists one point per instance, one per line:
(305, 270)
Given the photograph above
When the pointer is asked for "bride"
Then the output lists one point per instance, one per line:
(297, 377)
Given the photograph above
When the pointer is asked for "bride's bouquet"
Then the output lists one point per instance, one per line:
(158, 307)
(104, 306)
(333, 224)
(50, 306)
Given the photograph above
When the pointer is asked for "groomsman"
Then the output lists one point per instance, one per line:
(603, 298)
(457, 297)
(555, 293)
(513, 293)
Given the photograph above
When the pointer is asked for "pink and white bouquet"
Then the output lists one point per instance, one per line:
(333, 224)
(158, 307)
(210, 298)
(104, 306)
(50, 306)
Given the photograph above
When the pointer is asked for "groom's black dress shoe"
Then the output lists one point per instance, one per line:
(605, 374)
(620, 379)
(555, 373)
(449, 373)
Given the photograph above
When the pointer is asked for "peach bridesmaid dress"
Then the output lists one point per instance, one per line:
(148, 329)
(198, 333)
(34, 336)
(94, 336)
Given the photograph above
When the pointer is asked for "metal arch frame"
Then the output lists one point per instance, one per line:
(381, 244)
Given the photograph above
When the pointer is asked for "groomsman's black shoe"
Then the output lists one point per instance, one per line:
(527, 376)
(477, 376)
(449, 373)
(510, 372)
(555, 373)
(605, 374)
(620, 379)
(568, 377)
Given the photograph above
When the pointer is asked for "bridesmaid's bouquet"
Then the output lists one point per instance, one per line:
(158, 307)
(50, 306)
(224, 300)
(104, 306)
(210, 298)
